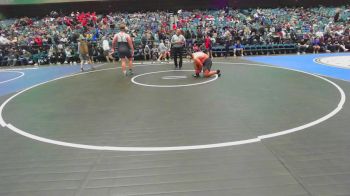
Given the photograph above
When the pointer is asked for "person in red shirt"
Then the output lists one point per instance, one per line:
(203, 62)
(94, 17)
(84, 22)
(208, 45)
(68, 21)
(38, 41)
(174, 26)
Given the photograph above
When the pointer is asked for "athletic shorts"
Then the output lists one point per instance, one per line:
(84, 57)
(207, 64)
(124, 53)
(106, 52)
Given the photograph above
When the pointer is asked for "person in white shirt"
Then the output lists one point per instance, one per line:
(69, 56)
(164, 51)
(4, 40)
(107, 50)
(147, 53)
(178, 42)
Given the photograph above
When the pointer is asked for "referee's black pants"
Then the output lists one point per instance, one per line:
(178, 53)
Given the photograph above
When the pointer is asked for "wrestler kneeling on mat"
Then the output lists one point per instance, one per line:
(203, 62)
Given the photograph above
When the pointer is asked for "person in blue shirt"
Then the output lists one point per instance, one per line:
(316, 45)
(238, 47)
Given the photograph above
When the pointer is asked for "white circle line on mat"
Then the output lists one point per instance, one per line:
(318, 60)
(133, 80)
(176, 148)
(15, 78)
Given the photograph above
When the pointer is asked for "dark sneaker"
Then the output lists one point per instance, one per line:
(130, 72)
(195, 75)
(218, 72)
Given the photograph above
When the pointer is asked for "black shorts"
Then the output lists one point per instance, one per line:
(207, 64)
(106, 52)
(124, 53)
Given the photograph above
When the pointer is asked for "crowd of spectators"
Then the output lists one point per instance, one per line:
(54, 39)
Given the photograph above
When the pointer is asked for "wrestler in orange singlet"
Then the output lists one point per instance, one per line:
(203, 62)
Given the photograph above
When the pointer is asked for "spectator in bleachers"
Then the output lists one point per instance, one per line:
(163, 51)
(107, 50)
(253, 26)
(27, 56)
(316, 45)
(4, 40)
(227, 40)
(154, 53)
(52, 55)
(147, 53)
(302, 46)
(61, 57)
(69, 55)
(238, 47)
(12, 57)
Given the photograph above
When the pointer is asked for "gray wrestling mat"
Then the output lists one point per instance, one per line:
(257, 130)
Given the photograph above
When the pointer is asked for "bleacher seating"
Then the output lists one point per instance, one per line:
(258, 49)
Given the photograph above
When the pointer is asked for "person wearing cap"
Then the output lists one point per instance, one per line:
(123, 41)
(202, 62)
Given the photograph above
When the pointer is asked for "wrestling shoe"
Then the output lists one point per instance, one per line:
(218, 72)
(195, 75)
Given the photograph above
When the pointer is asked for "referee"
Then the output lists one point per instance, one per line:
(177, 43)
